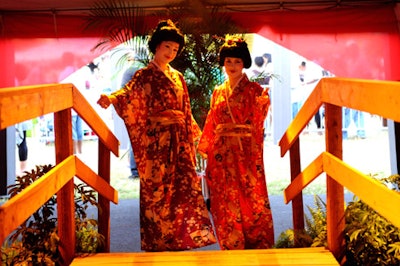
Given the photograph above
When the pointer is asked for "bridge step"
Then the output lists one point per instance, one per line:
(293, 256)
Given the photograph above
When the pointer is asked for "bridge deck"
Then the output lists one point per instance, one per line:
(294, 256)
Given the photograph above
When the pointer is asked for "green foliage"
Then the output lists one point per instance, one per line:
(370, 238)
(43, 253)
(314, 233)
(316, 225)
(264, 75)
(204, 30)
(118, 21)
(36, 241)
(199, 64)
(285, 239)
(121, 22)
(88, 240)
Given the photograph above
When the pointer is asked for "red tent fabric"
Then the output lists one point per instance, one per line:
(349, 42)
(362, 42)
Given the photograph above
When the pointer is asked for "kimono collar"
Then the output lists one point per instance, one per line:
(169, 73)
(230, 89)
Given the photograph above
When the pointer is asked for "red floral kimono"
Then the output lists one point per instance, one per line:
(156, 111)
(232, 142)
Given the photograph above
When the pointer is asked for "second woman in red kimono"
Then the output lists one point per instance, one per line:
(232, 142)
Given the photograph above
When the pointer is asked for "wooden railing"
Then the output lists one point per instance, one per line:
(23, 103)
(375, 97)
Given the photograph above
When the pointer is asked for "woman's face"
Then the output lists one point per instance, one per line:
(233, 67)
(166, 51)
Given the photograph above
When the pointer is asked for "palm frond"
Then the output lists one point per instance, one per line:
(118, 21)
(121, 22)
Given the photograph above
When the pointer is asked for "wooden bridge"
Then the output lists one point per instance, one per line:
(376, 97)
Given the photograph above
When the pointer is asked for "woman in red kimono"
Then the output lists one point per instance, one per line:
(156, 110)
(232, 142)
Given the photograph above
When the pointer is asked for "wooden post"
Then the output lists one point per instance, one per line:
(65, 197)
(7, 79)
(297, 202)
(104, 214)
(3, 162)
(335, 193)
(397, 145)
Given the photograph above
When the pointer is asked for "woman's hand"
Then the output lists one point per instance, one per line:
(104, 101)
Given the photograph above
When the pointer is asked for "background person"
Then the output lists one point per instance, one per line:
(259, 74)
(68, 59)
(304, 83)
(20, 139)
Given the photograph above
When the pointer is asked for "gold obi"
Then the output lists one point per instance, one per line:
(169, 117)
(233, 130)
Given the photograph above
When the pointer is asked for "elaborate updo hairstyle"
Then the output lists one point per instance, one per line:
(166, 31)
(237, 48)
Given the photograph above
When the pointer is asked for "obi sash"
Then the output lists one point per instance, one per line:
(234, 130)
(169, 117)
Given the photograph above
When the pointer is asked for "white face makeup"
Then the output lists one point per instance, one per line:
(166, 51)
(233, 67)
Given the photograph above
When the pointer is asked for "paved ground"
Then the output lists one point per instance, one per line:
(125, 236)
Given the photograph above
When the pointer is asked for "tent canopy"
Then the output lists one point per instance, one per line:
(349, 38)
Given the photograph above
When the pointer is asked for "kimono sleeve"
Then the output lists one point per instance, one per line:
(122, 97)
(263, 102)
(131, 106)
(262, 105)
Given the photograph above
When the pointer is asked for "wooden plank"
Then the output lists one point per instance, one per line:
(297, 204)
(312, 171)
(373, 96)
(22, 103)
(20, 207)
(104, 221)
(94, 121)
(380, 198)
(18, 104)
(305, 114)
(65, 196)
(295, 256)
(333, 132)
(335, 206)
(87, 175)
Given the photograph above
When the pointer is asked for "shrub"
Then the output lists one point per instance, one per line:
(314, 233)
(370, 238)
(36, 241)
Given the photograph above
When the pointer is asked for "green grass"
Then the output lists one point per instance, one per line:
(356, 152)
(129, 188)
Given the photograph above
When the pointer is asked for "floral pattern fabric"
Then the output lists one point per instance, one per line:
(232, 141)
(156, 110)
